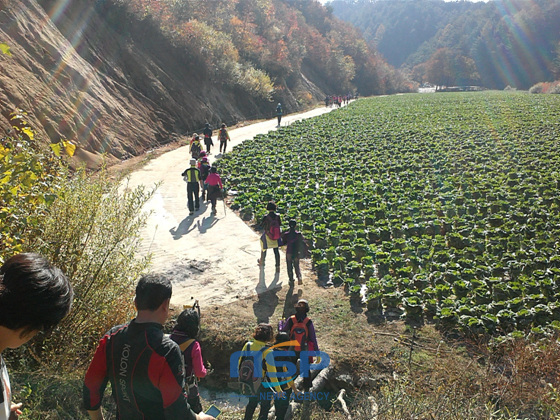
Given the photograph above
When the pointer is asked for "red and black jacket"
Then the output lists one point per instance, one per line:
(145, 368)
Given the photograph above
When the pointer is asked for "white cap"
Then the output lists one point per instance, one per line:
(193, 161)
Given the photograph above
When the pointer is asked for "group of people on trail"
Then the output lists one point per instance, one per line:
(195, 145)
(338, 100)
(273, 387)
(203, 182)
(146, 368)
(152, 375)
(273, 237)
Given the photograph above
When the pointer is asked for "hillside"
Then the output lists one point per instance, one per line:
(121, 77)
(494, 44)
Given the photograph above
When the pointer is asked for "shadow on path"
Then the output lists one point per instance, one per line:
(207, 223)
(267, 297)
(183, 228)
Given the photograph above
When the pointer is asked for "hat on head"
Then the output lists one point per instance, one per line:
(304, 303)
(202, 153)
(204, 159)
(193, 162)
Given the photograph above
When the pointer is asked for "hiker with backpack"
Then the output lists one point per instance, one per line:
(196, 147)
(204, 168)
(251, 382)
(184, 334)
(279, 113)
(295, 247)
(301, 329)
(214, 185)
(192, 177)
(207, 132)
(271, 238)
(223, 136)
(282, 401)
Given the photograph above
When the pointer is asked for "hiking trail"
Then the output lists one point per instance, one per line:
(209, 258)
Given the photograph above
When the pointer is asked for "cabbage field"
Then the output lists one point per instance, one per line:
(443, 206)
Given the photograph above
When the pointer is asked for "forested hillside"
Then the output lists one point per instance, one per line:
(494, 44)
(121, 76)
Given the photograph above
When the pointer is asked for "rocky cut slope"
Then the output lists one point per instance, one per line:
(114, 93)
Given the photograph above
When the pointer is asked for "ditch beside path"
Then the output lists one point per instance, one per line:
(209, 258)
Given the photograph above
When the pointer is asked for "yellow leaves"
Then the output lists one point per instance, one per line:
(28, 132)
(56, 148)
(6, 178)
(68, 146)
(5, 48)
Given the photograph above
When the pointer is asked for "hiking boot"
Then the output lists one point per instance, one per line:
(191, 213)
(299, 281)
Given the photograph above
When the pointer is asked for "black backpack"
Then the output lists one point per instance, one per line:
(204, 171)
(195, 149)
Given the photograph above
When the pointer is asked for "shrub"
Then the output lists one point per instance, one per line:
(92, 233)
(538, 88)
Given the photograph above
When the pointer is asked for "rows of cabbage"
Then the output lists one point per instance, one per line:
(438, 206)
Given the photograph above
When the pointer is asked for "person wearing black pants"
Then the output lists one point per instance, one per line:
(207, 132)
(263, 395)
(192, 178)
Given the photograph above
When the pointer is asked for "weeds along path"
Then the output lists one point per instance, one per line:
(209, 258)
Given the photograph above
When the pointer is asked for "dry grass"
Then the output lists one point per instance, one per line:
(440, 379)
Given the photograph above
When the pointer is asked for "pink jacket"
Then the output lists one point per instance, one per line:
(214, 179)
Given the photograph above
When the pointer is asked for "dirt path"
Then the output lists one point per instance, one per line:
(209, 258)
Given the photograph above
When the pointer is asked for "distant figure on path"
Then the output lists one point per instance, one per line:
(192, 178)
(214, 183)
(223, 135)
(207, 132)
(294, 248)
(279, 113)
(271, 238)
(196, 147)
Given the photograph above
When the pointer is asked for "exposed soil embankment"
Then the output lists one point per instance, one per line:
(112, 84)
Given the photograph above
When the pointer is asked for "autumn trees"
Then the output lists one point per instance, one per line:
(260, 45)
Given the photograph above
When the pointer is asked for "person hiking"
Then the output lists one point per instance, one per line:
(192, 178)
(143, 365)
(300, 328)
(279, 113)
(214, 183)
(263, 334)
(204, 168)
(223, 136)
(34, 296)
(294, 250)
(184, 334)
(195, 148)
(271, 237)
(207, 133)
(282, 401)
